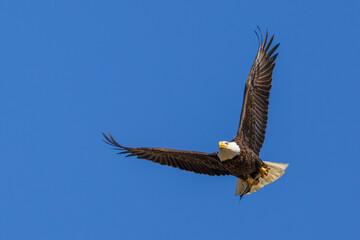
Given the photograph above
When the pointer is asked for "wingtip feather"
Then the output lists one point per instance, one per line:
(112, 142)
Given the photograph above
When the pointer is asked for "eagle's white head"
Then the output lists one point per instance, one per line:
(228, 150)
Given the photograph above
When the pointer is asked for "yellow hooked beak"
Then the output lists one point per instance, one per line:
(222, 145)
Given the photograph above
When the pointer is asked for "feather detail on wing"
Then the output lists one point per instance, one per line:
(197, 162)
(254, 113)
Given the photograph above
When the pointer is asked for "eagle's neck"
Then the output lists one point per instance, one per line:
(229, 153)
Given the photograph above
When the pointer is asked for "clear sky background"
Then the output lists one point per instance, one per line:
(172, 74)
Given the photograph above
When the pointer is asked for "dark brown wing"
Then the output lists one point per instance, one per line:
(203, 163)
(254, 113)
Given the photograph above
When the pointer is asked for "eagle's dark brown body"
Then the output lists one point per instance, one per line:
(245, 164)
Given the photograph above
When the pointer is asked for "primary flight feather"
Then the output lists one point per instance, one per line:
(240, 157)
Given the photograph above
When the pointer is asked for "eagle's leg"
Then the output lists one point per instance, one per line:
(264, 171)
(251, 181)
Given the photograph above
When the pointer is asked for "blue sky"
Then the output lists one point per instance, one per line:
(172, 74)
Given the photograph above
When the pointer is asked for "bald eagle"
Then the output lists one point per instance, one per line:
(239, 157)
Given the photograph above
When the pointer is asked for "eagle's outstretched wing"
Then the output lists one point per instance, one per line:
(254, 113)
(198, 162)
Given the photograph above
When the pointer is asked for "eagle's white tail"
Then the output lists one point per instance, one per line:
(276, 171)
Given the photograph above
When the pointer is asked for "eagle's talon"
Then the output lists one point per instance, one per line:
(264, 171)
(252, 182)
